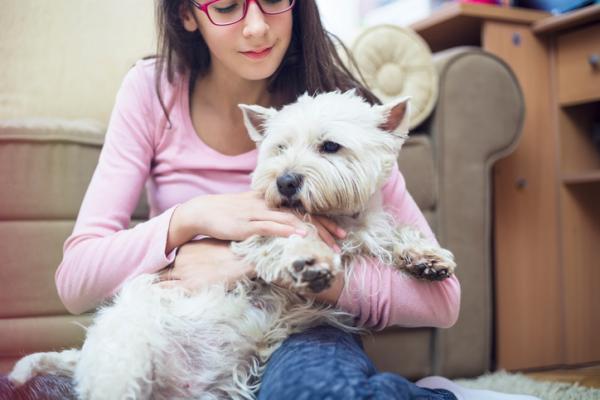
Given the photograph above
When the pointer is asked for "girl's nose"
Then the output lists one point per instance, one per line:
(254, 23)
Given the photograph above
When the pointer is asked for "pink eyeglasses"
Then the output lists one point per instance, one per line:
(229, 12)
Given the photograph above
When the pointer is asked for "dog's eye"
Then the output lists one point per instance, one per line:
(330, 147)
(280, 148)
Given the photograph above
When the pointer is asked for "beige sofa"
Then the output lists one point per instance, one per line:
(46, 164)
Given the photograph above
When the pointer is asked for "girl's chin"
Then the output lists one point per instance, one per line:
(257, 73)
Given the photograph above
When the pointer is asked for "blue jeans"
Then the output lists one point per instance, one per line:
(325, 363)
(45, 387)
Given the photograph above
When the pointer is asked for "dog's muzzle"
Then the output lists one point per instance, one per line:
(289, 184)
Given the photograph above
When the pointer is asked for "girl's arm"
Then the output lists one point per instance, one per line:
(102, 252)
(380, 296)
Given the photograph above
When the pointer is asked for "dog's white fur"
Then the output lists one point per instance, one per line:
(165, 343)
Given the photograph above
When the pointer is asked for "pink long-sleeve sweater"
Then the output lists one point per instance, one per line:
(175, 165)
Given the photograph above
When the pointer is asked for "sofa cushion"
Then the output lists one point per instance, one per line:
(405, 351)
(22, 336)
(31, 252)
(396, 62)
(45, 167)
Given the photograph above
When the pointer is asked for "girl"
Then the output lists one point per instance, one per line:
(176, 127)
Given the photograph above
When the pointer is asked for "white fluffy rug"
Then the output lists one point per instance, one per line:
(520, 384)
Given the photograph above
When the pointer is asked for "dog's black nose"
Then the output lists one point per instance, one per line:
(289, 184)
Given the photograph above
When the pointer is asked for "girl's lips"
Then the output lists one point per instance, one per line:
(257, 54)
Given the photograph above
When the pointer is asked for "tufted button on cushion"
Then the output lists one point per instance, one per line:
(396, 62)
(389, 79)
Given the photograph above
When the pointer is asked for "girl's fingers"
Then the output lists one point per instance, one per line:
(280, 217)
(270, 228)
(326, 236)
(331, 226)
(326, 228)
(284, 224)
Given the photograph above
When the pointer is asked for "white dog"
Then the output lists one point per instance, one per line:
(327, 155)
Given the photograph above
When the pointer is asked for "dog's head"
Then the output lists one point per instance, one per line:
(326, 154)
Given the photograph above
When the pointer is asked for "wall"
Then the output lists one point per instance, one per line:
(346, 18)
(66, 58)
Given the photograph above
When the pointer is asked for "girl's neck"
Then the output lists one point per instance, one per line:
(222, 92)
(215, 114)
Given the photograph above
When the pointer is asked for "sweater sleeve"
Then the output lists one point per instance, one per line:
(380, 296)
(102, 252)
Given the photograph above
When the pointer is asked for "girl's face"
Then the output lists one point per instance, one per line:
(251, 49)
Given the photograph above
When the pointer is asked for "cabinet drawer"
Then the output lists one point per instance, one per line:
(578, 78)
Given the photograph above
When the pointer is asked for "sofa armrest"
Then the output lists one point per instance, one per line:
(477, 120)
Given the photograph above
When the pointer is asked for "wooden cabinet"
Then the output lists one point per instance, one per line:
(577, 52)
(547, 192)
(574, 52)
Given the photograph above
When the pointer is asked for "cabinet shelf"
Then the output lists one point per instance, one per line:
(574, 178)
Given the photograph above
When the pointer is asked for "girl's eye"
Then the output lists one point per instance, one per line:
(223, 8)
(330, 147)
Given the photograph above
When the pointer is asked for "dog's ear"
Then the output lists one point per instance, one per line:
(255, 118)
(395, 116)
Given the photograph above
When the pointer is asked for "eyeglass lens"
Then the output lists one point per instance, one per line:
(224, 12)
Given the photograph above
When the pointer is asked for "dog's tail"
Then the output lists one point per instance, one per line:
(52, 363)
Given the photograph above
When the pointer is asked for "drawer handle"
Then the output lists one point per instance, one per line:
(594, 60)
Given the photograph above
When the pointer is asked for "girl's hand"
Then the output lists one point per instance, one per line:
(239, 216)
(327, 229)
(203, 263)
(206, 262)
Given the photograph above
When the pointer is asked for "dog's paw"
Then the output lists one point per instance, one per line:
(432, 264)
(312, 274)
(24, 370)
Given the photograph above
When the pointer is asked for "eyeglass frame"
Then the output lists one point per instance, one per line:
(204, 9)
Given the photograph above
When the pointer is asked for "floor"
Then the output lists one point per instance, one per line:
(586, 376)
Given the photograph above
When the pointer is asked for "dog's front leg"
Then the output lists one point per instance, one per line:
(413, 253)
(303, 263)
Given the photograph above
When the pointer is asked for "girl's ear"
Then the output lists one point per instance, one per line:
(188, 19)
(255, 119)
(395, 116)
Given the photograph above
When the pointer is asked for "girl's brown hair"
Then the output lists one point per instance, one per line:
(311, 63)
